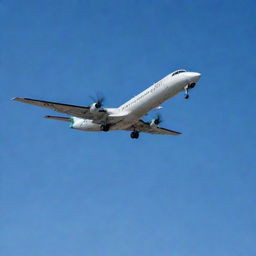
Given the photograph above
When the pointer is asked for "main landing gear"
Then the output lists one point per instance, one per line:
(105, 127)
(135, 135)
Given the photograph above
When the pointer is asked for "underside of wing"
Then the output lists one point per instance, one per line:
(78, 111)
(142, 126)
(59, 118)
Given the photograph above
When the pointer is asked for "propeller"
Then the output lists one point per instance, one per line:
(158, 119)
(98, 101)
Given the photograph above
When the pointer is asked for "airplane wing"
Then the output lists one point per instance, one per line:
(142, 126)
(78, 111)
(59, 118)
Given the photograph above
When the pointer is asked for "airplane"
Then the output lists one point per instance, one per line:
(128, 116)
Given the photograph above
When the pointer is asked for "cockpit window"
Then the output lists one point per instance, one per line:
(178, 71)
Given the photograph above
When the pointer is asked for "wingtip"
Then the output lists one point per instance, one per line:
(17, 98)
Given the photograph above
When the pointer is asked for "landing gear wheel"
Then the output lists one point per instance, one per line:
(135, 135)
(186, 96)
(105, 127)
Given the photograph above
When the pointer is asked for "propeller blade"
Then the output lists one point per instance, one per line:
(98, 100)
(158, 119)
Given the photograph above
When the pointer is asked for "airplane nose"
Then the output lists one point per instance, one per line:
(192, 78)
(195, 76)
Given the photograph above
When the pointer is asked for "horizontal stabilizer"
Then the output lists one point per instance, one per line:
(59, 118)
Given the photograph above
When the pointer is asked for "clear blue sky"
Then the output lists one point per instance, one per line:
(66, 192)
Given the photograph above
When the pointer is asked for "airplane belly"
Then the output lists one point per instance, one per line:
(157, 98)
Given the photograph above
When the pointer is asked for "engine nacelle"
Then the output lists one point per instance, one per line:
(84, 124)
(94, 108)
(153, 123)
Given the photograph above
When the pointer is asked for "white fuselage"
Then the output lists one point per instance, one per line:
(134, 109)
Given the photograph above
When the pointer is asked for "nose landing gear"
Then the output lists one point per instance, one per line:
(187, 87)
(192, 85)
(186, 96)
